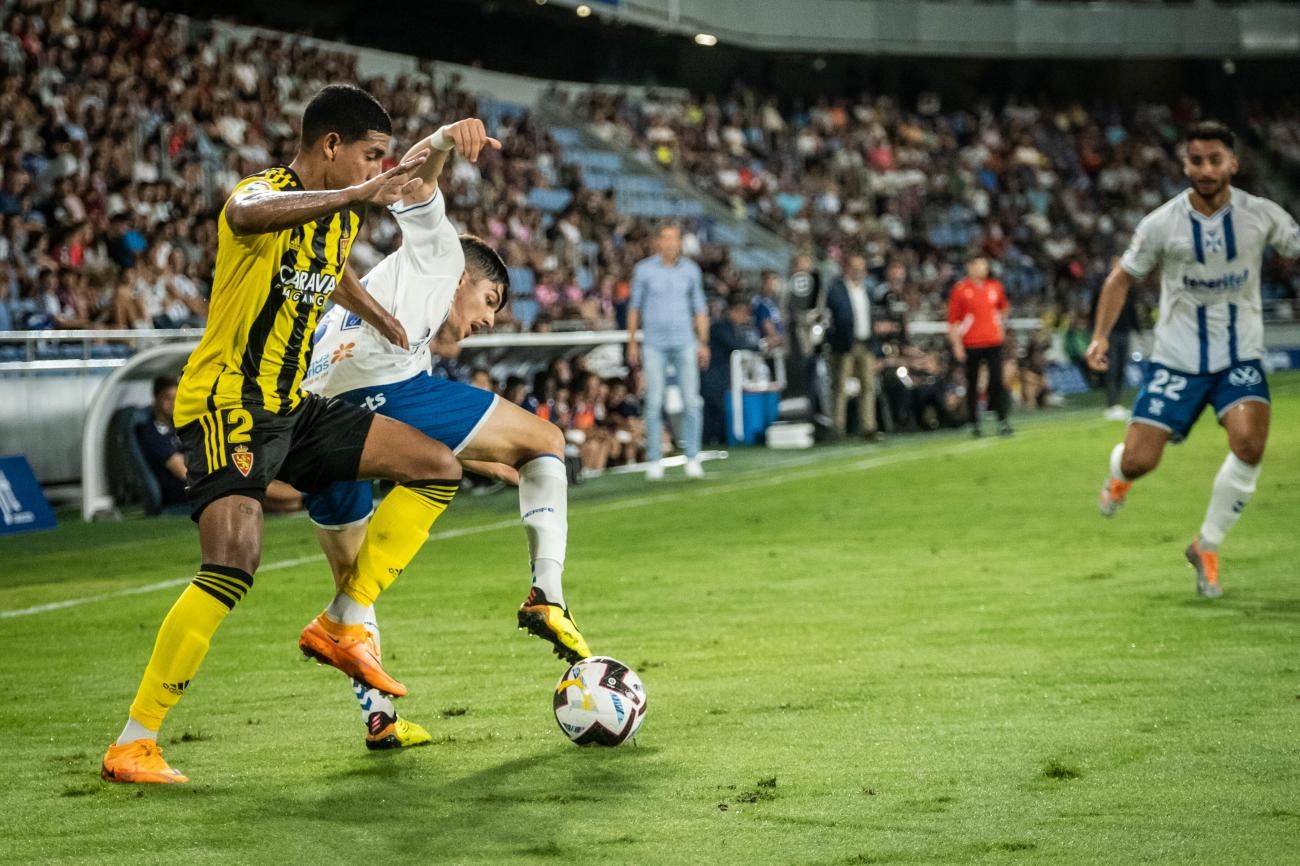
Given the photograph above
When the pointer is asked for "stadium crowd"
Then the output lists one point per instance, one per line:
(122, 127)
(1048, 192)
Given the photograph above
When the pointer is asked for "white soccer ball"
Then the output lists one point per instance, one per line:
(600, 700)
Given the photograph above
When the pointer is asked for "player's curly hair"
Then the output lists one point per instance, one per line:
(1211, 130)
(484, 262)
(350, 111)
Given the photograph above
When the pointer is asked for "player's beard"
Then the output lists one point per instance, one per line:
(1214, 188)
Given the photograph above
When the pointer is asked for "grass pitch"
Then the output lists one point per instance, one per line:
(933, 651)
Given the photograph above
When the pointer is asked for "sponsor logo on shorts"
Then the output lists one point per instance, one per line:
(1156, 406)
(243, 459)
(342, 353)
(1245, 377)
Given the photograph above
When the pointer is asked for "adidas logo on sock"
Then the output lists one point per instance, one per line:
(176, 688)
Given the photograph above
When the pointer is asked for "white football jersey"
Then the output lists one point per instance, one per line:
(1210, 314)
(416, 284)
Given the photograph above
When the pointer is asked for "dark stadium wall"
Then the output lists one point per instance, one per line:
(551, 42)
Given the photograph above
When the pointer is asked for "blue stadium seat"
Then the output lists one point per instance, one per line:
(525, 310)
(549, 200)
(565, 136)
(522, 282)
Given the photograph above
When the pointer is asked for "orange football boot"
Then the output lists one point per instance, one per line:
(1113, 494)
(1206, 565)
(350, 649)
(139, 761)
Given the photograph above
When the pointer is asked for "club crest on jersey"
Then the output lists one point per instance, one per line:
(1245, 377)
(243, 459)
(1213, 240)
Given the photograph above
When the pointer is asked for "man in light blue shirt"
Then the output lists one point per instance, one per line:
(668, 305)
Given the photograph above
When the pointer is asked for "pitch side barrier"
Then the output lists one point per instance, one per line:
(501, 352)
(97, 500)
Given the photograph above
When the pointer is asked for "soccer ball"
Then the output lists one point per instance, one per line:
(600, 700)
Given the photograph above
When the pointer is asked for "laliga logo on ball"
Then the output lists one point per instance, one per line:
(600, 701)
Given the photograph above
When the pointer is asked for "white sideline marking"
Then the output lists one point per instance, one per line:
(634, 502)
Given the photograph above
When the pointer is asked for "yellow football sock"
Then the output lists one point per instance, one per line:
(396, 533)
(183, 640)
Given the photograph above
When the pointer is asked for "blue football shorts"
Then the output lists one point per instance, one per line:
(450, 412)
(1173, 400)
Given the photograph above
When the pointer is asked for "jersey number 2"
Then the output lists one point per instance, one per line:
(240, 421)
(1167, 384)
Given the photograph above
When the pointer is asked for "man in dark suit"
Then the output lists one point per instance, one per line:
(849, 303)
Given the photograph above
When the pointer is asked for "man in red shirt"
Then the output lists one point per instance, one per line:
(975, 311)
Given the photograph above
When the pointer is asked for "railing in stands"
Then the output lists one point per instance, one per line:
(32, 351)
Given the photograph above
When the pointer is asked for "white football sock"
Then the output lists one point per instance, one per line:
(371, 700)
(1116, 461)
(135, 731)
(347, 610)
(544, 507)
(1234, 485)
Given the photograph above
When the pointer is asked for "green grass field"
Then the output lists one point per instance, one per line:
(931, 651)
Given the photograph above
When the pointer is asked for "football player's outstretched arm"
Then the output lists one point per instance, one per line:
(259, 209)
(351, 295)
(467, 136)
(1113, 294)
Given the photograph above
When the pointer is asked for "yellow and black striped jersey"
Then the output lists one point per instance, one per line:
(268, 293)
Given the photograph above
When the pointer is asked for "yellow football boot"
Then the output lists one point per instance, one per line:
(387, 732)
(550, 622)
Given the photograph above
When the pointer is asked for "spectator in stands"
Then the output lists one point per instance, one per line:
(849, 304)
(8, 296)
(623, 417)
(589, 431)
(976, 309)
(1125, 325)
(516, 391)
(889, 312)
(767, 311)
(730, 332)
(161, 446)
(668, 313)
(1032, 372)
